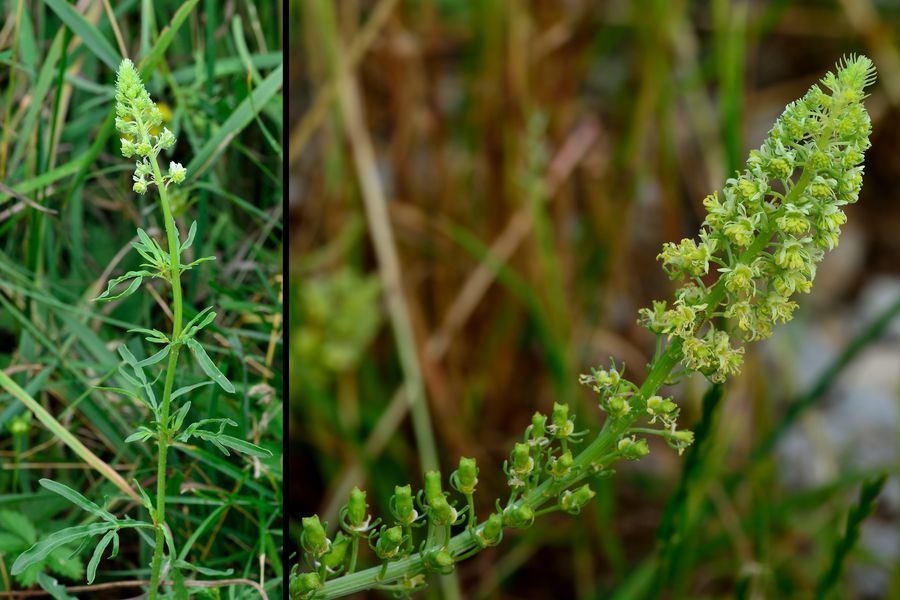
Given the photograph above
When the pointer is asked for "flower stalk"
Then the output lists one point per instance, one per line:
(773, 222)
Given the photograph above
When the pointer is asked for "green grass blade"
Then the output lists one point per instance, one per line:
(235, 123)
(868, 494)
(90, 35)
(98, 554)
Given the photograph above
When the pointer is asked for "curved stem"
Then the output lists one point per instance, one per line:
(163, 433)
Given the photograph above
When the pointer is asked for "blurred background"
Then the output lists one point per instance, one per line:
(516, 166)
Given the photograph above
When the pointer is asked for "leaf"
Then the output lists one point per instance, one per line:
(116, 390)
(56, 590)
(76, 499)
(155, 358)
(205, 317)
(184, 565)
(198, 261)
(136, 278)
(130, 359)
(190, 238)
(98, 554)
(153, 335)
(19, 525)
(180, 415)
(189, 388)
(142, 434)
(145, 499)
(89, 34)
(209, 367)
(44, 547)
(242, 446)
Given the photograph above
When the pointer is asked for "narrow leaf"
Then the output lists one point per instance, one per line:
(209, 367)
(152, 360)
(190, 238)
(98, 554)
(180, 415)
(186, 566)
(76, 499)
(189, 388)
(242, 446)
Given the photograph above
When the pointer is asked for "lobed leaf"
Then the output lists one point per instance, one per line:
(136, 276)
(42, 549)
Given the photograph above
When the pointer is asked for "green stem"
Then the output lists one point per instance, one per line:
(163, 425)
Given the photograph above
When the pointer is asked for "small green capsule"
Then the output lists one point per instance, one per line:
(573, 501)
(389, 542)
(439, 559)
(335, 557)
(538, 426)
(562, 466)
(493, 530)
(440, 512)
(633, 449)
(560, 416)
(313, 536)
(356, 508)
(521, 458)
(520, 517)
(432, 486)
(304, 584)
(403, 504)
(467, 475)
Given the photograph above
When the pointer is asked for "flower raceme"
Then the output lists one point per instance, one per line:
(763, 236)
(769, 227)
(136, 117)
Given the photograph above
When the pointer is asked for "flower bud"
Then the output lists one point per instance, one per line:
(140, 186)
(176, 172)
